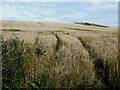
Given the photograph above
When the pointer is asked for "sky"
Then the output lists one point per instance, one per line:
(96, 12)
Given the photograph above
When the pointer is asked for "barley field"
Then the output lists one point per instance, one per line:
(46, 54)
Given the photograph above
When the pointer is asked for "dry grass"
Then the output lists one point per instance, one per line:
(75, 55)
(104, 50)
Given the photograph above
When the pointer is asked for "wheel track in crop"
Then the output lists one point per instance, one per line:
(101, 70)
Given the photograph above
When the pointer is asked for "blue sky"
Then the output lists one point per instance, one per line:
(96, 12)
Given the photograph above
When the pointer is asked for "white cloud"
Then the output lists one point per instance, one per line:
(9, 12)
(100, 6)
(51, 19)
(60, 1)
(74, 14)
(49, 12)
(19, 11)
(1, 12)
(105, 5)
(57, 12)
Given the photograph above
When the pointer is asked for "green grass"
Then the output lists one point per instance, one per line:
(39, 83)
(12, 60)
(13, 30)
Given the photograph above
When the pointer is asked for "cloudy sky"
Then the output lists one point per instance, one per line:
(96, 12)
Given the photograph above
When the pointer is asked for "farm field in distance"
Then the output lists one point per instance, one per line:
(47, 54)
